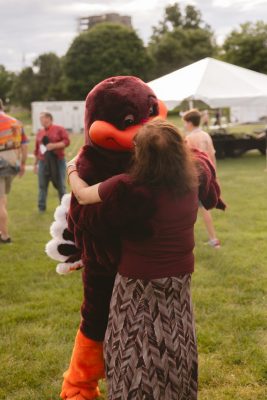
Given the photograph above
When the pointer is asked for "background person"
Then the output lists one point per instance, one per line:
(13, 155)
(150, 345)
(201, 140)
(205, 119)
(50, 161)
(218, 116)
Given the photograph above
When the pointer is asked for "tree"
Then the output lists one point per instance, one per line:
(247, 46)
(103, 51)
(25, 88)
(48, 75)
(173, 15)
(43, 81)
(180, 48)
(6, 82)
(171, 20)
(192, 18)
(180, 40)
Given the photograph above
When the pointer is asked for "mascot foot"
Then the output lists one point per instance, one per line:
(86, 368)
(71, 393)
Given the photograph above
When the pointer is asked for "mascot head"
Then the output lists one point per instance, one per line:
(116, 108)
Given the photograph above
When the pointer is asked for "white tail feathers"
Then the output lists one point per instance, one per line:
(56, 231)
(65, 201)
(51, 250)
(62, 210)
(66, 268)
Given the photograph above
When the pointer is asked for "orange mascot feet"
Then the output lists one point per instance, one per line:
(86, 368)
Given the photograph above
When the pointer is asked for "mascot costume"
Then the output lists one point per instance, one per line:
(89, 237)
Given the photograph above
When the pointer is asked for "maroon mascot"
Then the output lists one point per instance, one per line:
(115, 110)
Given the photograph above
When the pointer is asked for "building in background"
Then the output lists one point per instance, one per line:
(86, 23)
(69, 114)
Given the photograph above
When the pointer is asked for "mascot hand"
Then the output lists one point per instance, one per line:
(86, 368)
(209, 190)
(62, 247)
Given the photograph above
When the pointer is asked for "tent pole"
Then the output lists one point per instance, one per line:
(265, 149)
(191, 104)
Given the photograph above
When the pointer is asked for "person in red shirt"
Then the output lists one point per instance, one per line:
(150, 345)
(50, 164)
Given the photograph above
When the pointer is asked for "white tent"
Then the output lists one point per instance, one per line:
(217, 83)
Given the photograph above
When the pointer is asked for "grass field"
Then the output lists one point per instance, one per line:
(40, 309)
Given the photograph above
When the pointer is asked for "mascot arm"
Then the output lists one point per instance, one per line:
(209, 190)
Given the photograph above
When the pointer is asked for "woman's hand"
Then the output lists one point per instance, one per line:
(84, 193)
(71, 167)
(72, 162)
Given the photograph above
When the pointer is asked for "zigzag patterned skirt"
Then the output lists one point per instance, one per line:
(150, 344)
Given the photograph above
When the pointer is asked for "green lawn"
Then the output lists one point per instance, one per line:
(40, 309)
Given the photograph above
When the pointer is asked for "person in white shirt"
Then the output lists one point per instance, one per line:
(201, 140)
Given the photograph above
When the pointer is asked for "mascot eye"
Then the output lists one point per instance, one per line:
(153, 110)
(128, 120)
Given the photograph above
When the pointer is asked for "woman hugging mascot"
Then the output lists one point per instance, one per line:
(90, 236)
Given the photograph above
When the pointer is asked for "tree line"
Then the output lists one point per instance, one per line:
(181, 37)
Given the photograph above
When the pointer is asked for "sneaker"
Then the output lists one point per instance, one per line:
(214, 243)
(5, 241)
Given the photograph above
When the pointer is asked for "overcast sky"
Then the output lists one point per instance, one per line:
(32, 27)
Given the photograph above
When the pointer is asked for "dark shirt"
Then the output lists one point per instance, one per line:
(169, 252)
(55, 133)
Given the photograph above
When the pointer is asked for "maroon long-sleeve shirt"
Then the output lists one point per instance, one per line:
(169, 252)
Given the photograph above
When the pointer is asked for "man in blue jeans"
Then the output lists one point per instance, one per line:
(50, 161)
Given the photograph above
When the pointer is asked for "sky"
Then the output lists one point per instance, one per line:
(32, 27)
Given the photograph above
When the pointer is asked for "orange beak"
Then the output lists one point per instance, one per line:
(107, 136)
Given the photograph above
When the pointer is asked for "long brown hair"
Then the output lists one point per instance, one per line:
(162, 159)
